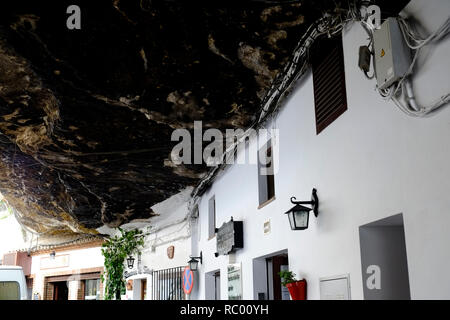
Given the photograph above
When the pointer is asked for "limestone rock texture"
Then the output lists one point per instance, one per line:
(86, 116)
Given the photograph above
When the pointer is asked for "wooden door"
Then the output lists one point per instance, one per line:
(60, 292)
(277, 261)
(143, 289)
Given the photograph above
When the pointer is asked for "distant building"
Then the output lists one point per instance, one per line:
(157, 272)
(68, 271)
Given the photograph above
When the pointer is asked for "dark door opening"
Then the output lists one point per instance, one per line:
(383, 260)
(217, 286)
(274, 265)
(212, 285)
(144, 289)
(266, 280)
(60, 291)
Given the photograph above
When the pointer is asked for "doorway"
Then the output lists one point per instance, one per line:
(266, 281)
(144, 289)
(60, 291)
(383, 259)
(212, 283)
(217, 286)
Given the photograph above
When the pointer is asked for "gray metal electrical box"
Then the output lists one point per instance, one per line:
(392, 55)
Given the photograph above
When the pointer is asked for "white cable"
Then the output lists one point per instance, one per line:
(404, 86)
(408, 33)
(412, 108)
(424, 111)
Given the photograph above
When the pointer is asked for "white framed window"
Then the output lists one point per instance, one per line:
(92, 289)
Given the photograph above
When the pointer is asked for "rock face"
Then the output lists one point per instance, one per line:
(86, 116)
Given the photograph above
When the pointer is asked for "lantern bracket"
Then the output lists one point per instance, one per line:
(194, 262)
(200, 257)
(314, 202)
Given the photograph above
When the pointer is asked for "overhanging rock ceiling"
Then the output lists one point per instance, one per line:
(86, 116)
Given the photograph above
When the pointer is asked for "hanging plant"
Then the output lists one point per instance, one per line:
(115, 250)
(297, 288)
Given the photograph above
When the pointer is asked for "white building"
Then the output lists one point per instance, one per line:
(69, 271)
(157, 273)
(382, 179)
(64, 267)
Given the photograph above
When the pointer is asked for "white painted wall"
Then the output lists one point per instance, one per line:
(372, 162)
(78, 259)
(170, 228)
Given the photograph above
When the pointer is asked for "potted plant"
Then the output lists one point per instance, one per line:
(297, 288)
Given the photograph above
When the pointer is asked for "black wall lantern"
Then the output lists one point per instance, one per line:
(52, 255)
(193, 263)
(299, 215)
(130, 262)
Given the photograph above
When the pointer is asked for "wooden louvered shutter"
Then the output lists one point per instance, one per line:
(329, 81)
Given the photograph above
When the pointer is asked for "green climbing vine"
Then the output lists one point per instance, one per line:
(115, 250)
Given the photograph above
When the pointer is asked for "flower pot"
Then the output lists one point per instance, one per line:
(297, 289)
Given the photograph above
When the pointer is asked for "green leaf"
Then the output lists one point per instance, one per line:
(115, 250)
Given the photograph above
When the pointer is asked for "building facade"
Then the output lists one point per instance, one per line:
(156, 273)
(382, 180)
(68, 272)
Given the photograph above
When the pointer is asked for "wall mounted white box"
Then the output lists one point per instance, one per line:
(392, 55)
(335, 288)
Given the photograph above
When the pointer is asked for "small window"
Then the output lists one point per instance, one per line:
(212, 217)
(92, 289)
(327, 59)
(266, 180)
(9, 290)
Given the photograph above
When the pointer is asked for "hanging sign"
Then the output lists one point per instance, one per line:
(188, 280)
(128, 274)
(229, 237)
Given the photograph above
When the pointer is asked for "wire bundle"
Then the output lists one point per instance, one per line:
(332, 24)
(404, 87)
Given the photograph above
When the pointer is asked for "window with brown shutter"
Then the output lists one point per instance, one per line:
(330, 98)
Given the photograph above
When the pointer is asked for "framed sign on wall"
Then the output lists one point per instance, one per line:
(229, 237)
(234, 281)
(59, 261)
